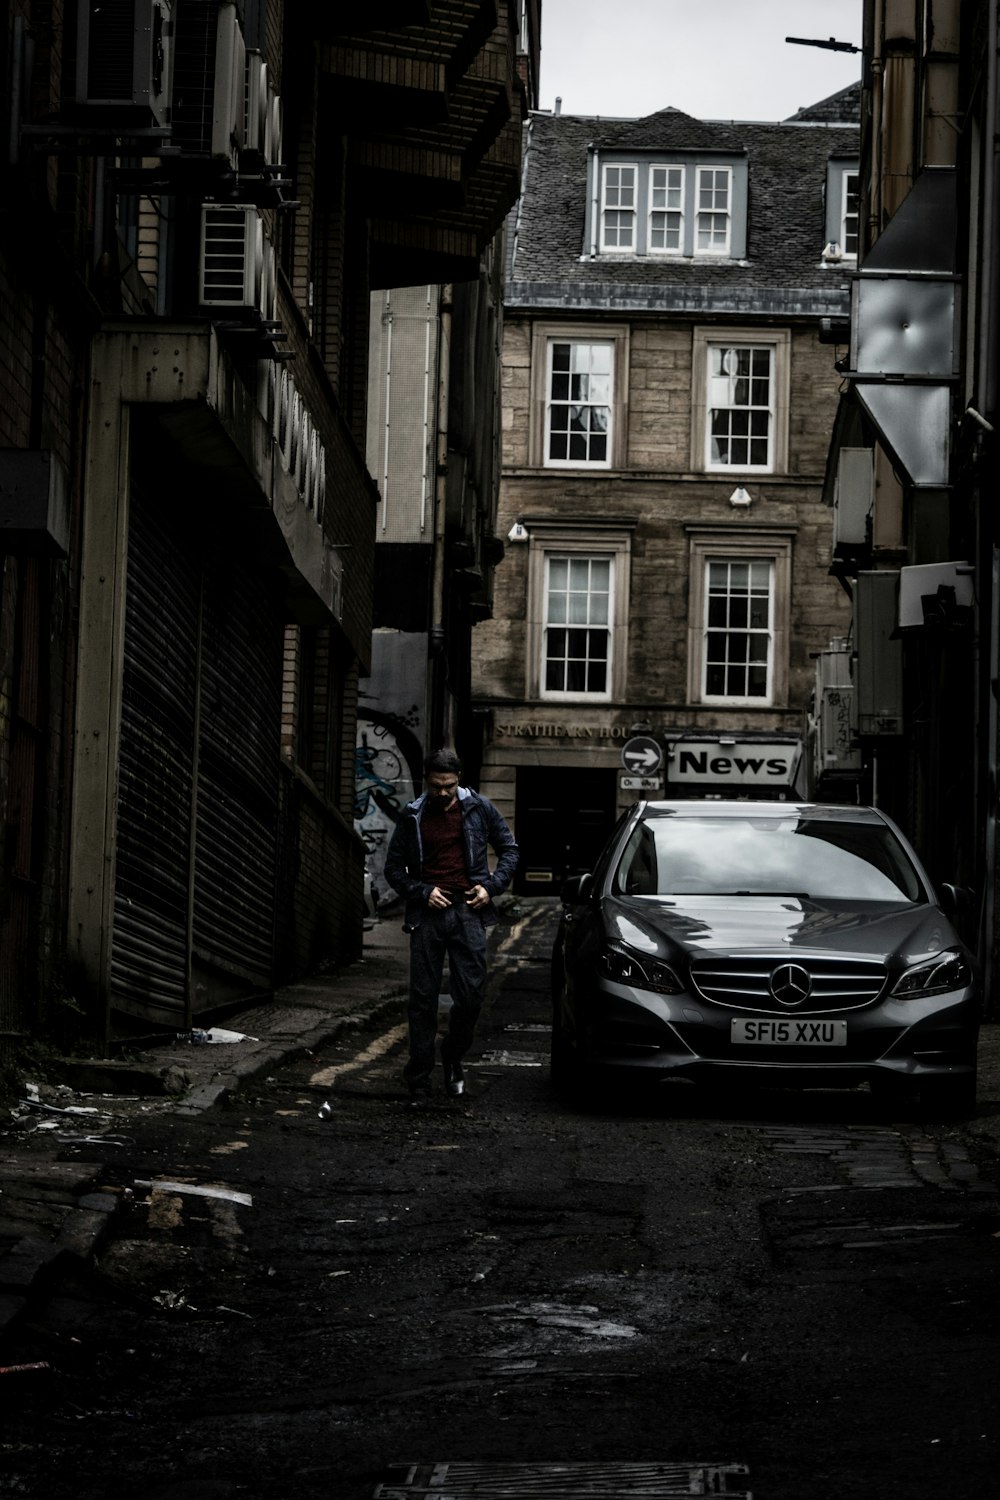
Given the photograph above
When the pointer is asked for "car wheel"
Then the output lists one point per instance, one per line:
(949, 1098)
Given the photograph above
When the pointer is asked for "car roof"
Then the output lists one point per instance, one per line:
(833, 812)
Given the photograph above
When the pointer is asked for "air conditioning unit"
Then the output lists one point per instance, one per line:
(208, 115)
(268, 282)
(274, 138)
(879, 663)
(263, 127)
(231, 259)
(258, 99)
(935, 593)
(123, 59)
(229, 97)
(854, 496)
(836, 745)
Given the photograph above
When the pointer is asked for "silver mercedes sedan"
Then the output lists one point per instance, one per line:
(777, 942)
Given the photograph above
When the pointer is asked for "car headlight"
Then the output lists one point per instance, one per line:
(935, 976)
(621, 965)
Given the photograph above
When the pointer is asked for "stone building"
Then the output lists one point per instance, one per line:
(668, 396)
(913, 462)
(201, 197)
(434, 451)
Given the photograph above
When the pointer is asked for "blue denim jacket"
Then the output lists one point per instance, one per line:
(482, 826)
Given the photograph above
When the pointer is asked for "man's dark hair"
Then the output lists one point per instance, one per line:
(442, 763)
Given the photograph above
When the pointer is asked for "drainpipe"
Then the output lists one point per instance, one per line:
(875, 20)
(595, 200)
(986, 390)
(425, 443)
(387, 399)
(438, 658)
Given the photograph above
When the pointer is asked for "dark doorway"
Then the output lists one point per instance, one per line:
(563, 818)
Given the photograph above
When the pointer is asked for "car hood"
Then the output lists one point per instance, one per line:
(728, 924)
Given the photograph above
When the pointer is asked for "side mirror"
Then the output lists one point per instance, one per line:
(956, 900)
(577, 889)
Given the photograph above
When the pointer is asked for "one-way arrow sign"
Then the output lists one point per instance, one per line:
(642, 754)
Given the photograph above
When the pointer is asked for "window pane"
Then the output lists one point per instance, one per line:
(579, 572)
(715, 682)
(737, 640)
(579, 598)
(739, 414)
(580, 394)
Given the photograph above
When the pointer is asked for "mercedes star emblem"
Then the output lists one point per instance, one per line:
(791, 984)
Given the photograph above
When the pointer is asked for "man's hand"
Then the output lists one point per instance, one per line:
(438, 900)
(477, 897)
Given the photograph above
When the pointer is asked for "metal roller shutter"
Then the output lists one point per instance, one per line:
(238, 774)
(155, 771)
(203, 660)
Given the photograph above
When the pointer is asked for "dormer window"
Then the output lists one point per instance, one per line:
(666, 209)
(618, 204)
(685, 207)
(842, 227)
(850, 184)
(714, 210)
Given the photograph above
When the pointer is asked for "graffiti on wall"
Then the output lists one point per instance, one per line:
(387, 768)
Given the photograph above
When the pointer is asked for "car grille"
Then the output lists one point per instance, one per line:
(744, 983)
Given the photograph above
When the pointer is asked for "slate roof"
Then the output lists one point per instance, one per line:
(782, 272)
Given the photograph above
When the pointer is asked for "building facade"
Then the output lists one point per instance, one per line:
(434, 451)
(202, 198)
(667, 403)
(913, 464)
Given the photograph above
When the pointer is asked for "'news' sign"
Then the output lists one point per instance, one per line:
(707, 763)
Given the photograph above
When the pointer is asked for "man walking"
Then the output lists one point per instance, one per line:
(437, 861)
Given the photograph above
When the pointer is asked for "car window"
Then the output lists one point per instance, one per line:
(782, 856)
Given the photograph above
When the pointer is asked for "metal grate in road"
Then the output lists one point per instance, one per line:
(465, 1481)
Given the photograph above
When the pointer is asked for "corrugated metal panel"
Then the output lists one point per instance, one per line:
(156, 768)
(203, 662)
(238, 773)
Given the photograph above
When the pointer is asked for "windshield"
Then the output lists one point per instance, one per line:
(755, 856)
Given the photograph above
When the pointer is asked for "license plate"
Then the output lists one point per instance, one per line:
(788, 1033)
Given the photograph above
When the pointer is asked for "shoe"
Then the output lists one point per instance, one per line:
(454, 1078)
(420, 1092)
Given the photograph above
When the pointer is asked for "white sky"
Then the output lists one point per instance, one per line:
(714, 59)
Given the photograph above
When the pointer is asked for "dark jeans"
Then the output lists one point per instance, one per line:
(457, 933)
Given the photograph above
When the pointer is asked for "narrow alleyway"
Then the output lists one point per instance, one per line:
(771, 1294)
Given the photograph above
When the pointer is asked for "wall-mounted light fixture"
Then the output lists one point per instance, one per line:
(740, 496)
(518, 533)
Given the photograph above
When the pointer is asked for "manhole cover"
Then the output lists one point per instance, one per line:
(463, 1481)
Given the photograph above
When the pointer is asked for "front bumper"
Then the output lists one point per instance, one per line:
(628, 1030)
